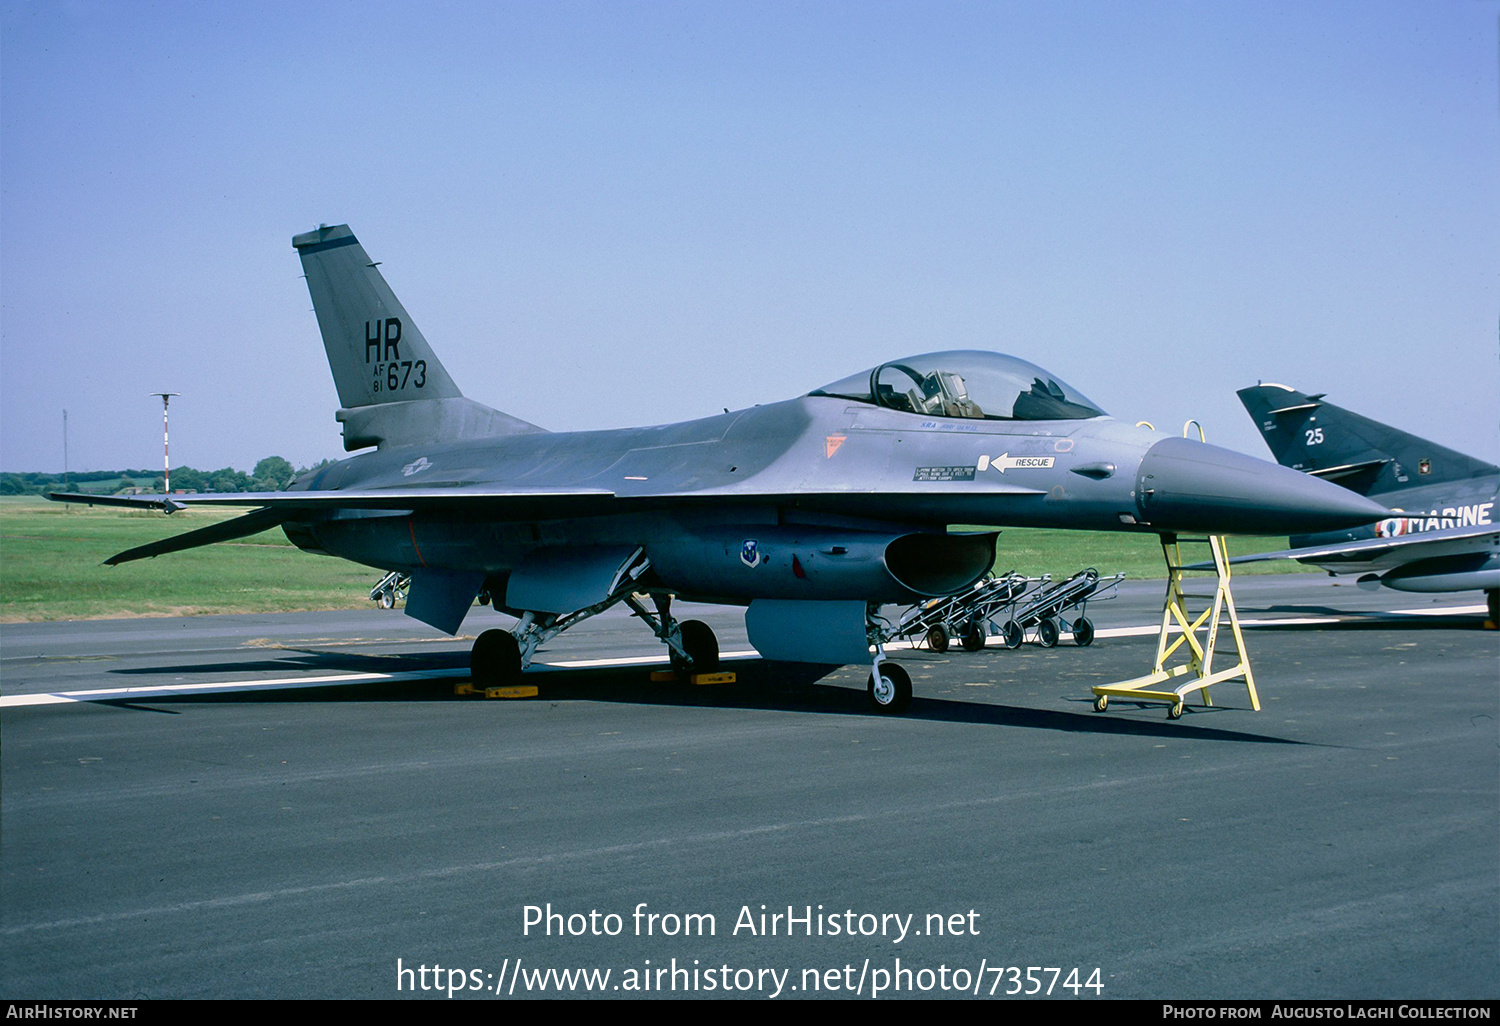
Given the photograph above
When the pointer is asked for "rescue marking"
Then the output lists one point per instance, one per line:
(831, 445)
(1005, 461)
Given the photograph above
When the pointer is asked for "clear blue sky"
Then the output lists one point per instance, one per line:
(604, 214)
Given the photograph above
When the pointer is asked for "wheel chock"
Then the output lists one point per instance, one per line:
(668, 676)
(513, 691)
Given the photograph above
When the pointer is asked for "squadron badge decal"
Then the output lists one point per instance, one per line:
(750, 553)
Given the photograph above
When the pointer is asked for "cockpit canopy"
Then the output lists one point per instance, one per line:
(968, 384)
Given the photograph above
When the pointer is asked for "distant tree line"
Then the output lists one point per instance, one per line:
(272, 474)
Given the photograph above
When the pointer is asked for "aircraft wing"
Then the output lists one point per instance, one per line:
(277, 508)
(1370, 550)
(526, 501)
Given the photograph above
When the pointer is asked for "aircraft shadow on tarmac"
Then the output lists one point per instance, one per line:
(315, 661)
(762, 685)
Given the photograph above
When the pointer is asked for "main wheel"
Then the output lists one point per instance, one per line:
(495, 660)
(702, 648)
(1012, 634)
(974, 637)
(1083, 631)
(892, 693)
(1047, 632)
(937, 639)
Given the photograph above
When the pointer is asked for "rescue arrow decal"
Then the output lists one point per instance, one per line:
(1005, 461)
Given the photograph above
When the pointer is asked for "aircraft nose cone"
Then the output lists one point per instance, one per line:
(1185, 485)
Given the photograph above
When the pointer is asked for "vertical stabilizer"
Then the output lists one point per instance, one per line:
(1309, 434)
(392, 387)
(377, 354)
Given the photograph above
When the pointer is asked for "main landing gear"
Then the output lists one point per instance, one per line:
(499, 657)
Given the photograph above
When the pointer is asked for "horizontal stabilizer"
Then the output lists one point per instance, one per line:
(227, 530)
(165, 503)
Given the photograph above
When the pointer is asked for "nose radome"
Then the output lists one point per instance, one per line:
(1185, 485)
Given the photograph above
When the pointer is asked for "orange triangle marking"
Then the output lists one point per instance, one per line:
(831, 445)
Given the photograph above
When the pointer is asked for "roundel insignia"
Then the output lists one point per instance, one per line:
(750, 553)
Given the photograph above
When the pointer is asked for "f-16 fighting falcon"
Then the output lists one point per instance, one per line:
(1441, 533)
(812, 512)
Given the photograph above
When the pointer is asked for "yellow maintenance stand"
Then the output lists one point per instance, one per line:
(1196, 672)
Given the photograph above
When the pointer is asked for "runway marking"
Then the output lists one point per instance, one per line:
(279, 683)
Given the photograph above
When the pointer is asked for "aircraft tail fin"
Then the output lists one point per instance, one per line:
(1306, 433)
(392, 387)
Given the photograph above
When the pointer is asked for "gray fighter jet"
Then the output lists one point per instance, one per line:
(1440, 534)
(811, 512)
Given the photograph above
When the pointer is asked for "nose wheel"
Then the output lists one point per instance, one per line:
(889, 688)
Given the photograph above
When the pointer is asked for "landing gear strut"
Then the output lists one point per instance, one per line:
(499, 656)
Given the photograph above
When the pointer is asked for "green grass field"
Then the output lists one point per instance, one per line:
(51, 556)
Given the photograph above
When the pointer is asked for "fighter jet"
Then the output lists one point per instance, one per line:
(812, 512)
(1440, 534)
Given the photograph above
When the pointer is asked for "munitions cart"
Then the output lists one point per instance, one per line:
(390, 589)
(1048, 610)
(964, 616)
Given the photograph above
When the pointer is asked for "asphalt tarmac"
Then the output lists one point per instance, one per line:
(299, 806)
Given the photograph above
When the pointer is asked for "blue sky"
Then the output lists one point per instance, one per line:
(605, 214)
